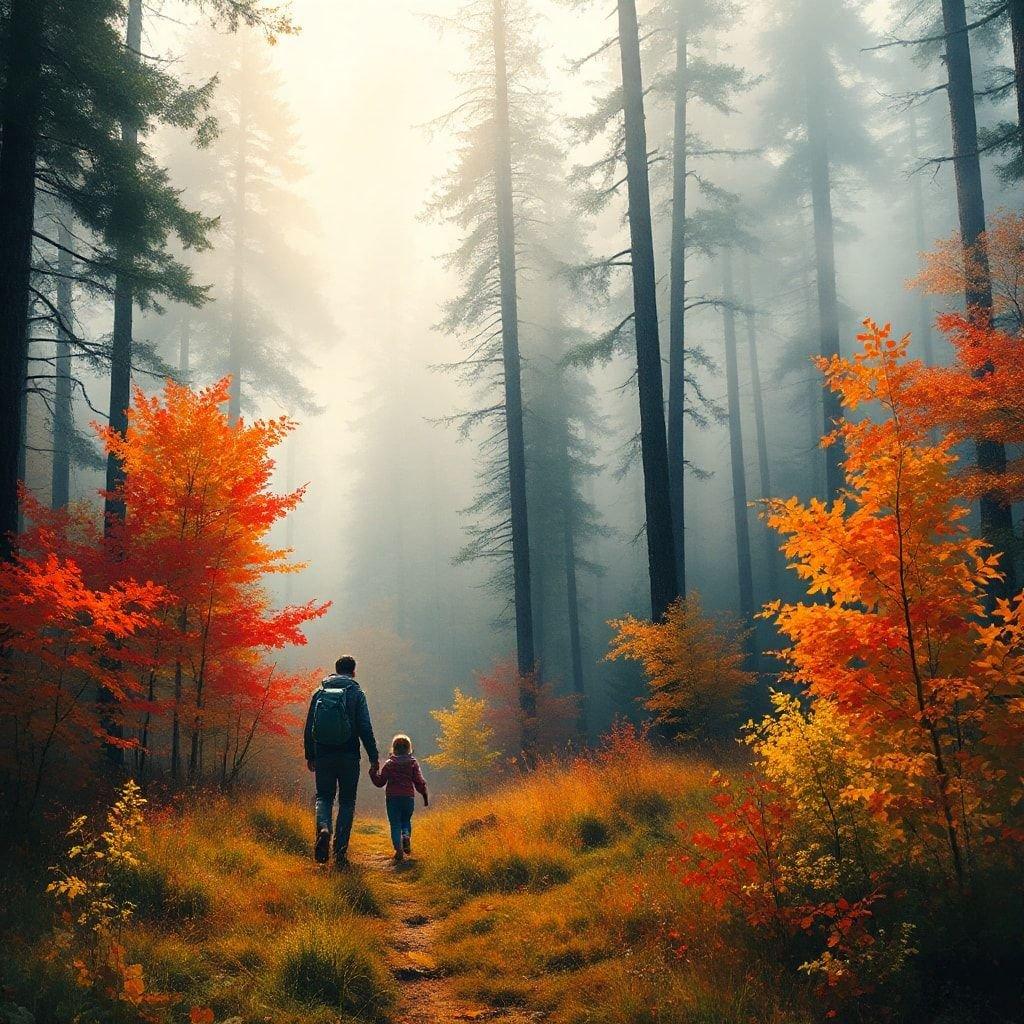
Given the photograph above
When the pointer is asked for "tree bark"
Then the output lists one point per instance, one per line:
(996, 522)
(745, 577)
(121, 338)
(677, 308)
(825, 257)
(20, 125)
(661, 553)
(60, 475)
(1015, 9)
(525, 654)
(771, 558)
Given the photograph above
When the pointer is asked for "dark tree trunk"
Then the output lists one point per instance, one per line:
(121, 338)
(996, 522)
(739, 482)
(677, 309)
(661, 553)
(20, 123)
(1015, 9)
(571, 585)
(924, 316)
(236, 331)
(525, 655)
(60, 476)
(764, 469)
(824, 256)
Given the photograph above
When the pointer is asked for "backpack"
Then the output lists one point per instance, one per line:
(332, 724)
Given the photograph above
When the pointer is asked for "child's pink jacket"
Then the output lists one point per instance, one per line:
(402, 775)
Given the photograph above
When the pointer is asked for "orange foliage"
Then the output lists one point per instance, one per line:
(908, 748)
(979, 397)
(182, 654)
(693, 663)
(948, 270)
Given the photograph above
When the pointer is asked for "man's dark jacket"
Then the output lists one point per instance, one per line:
(359, 714)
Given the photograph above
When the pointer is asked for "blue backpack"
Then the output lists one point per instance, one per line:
(332, 724)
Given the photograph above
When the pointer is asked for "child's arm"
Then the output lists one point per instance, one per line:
(421, 784)
(379, 775)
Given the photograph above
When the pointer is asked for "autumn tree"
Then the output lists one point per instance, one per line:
(466, 743)
(891, 773)
(694, 668)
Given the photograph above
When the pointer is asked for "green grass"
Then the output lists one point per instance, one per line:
(325, 964)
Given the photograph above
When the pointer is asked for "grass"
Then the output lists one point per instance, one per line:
(558, 897)
(231, 914)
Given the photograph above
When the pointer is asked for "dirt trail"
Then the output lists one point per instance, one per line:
(426, 996)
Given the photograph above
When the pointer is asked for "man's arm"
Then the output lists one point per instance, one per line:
(307, 734)
(365, 729)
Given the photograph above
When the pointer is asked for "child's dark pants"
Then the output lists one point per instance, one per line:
(400, 810)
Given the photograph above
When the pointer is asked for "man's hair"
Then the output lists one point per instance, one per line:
(345, 666)
(401, 744)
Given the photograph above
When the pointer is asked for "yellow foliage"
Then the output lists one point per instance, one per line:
(465, 746)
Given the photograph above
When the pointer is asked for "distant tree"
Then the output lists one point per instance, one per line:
(694, 668)
(620, 116)
(684, 41)
(268, 311)
(466, 743)
(817, 120)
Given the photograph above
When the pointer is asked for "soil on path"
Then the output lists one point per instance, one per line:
(426, 995)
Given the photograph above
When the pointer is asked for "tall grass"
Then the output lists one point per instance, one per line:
(559, 896)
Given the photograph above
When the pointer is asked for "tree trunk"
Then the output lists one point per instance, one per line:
(677, 310)
(739, 481)
(825, 258)
(571, 585)
(996, 523)
(236, 332)
(771, 559)
(1015, 9)
(20, 125)
(121, 338)
(924, 315)
(525, 655)
(661, 554)
(63, 423)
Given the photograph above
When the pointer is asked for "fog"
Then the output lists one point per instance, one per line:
(357, 283)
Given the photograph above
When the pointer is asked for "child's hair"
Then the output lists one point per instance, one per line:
(401, 744)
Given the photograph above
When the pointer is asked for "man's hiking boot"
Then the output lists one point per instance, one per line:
(322, 847)
(399, 856)
(341, 860)
(406, 845)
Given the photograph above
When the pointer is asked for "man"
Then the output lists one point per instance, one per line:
(337, 721)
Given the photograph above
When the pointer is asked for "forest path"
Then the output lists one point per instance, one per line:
(426, 994)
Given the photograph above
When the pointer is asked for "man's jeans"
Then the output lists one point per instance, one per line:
(336, 774)
(400, 810)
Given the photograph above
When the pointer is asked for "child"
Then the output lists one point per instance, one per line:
(401, 774)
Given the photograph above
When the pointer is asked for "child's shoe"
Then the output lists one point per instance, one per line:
(406, 845)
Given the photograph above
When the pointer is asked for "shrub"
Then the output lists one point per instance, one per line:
(535, 870)
(590, 831)
(326, 965)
